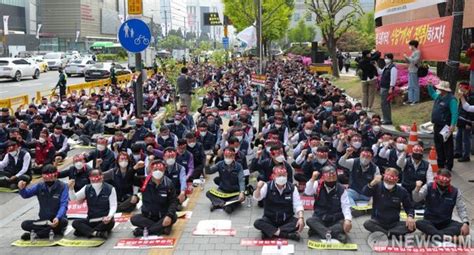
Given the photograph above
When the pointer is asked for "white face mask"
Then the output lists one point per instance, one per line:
(239, 138)
(280, 158)
(191, 145)
(96, 185)
(376, 129)
(100, 147)
(356, 145)
(388, 186)
(177, 122)
(137, 157)
(387, 61)
(79, 165)
(228, 161)
(278, 125)
(364, 161)
(281, 180)
(202, 133)
(42, 140)
(308, 131)
(314, 149)
(401, 146)
(165, 137)
(357, 111)
(170, 161)
(275, 107)
(123, 164)
(13, 153)
(321, 160)
(157, 174)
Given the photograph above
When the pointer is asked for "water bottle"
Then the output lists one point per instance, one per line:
(202, 181)
(279, 244)
(32, 236)
(51, 235)
(249, 201)
(328, 236)
(145, 233)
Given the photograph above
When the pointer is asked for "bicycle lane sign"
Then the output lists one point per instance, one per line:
(134, 35)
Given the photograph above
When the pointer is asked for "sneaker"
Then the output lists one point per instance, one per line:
(407, 103)
(228, 209)
(167, 231)
(294, 236)
(103, 234)
(414, 103)
(464, 159)
(341, 238)
(357, 213)
(138, 232)
(26, 236)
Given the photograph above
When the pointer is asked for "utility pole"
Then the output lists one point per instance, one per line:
(451, 69)
(258, 23)
(166, 25)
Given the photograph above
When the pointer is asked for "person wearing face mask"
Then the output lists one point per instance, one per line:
(281, 203)
(277, 158)
(445, 113)
(280, 128)
(158, 212)
(185, 158)
(139, 132)
(315, 162)
(113, 121)
(199, 157)
(59, 141)
(92, 128)
(65, 121)
(390, 152)
(231, 180)
(166, 138)
(413, 61)
(304, 134)
(368, 79)
(79, 172)
(102, 157)
(178, 128)
(388, 198)
(15, 166)
(122, 177)
(361, 171)
(37, 126)
(414, 168)
(101, 200)
(61, 84)
(44, 152)
(465, 122)
(388, 80)
(53, 199)
(118, 143)
(440, 199)
(208, 139)
(332, 209)
(176, 173)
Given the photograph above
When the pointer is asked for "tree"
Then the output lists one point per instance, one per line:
(172, 42)
(334, 18)
(355, 40)
(276, 16)
(301, 33)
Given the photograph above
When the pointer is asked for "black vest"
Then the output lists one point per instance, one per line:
(466, 117)
(358, 178)
(327, 206)
(387, 204)
(173, 175)
(385, 79)
(49, 201)
(441, 115)
(439, 207)
(183, 159)
(123, 183)
(98, 205)
(229, 179)
(156, 199)
(278, 208)
(166, 143)
(410, 175)
(58, 142)
(12, 167)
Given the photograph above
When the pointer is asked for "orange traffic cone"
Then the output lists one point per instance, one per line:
(413, 138)
(433, 160)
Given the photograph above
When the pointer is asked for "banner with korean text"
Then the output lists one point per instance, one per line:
(387, 7)
(434, 36)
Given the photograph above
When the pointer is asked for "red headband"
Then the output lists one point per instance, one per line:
(365, 154)
(96, 178)
(390, 177)
(279, 170)
(417, 149)
(443, 179)
(50, 175)
(326, 175)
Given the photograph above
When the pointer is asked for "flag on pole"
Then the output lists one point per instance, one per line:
(248, 36)
(38, 31)
(78, 32)
(5, 25)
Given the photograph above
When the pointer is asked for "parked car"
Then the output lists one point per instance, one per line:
(43, 65)
(17, 68)
(100, 71)
(55, 60)
(78, 67)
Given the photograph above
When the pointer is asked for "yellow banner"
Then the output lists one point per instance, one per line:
(80, 243)
(387, 7)
(332, 246)
(37, 243)
(221, 194)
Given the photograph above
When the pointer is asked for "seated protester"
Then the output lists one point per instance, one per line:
(79, 172)
(44, 152)
(332, 209)
(304, 134)
(188, 120)
(66, 122)
(389, 151)
(118, 143)
(37, 126)
(122, 177)
(139, 132)
(199, 158)
(244, 145)
(414, 168)
(148, 121)
(206, 138)
(159, 203)
(265, 166)
(177, 127)
(113, 121)
(23, 130)
(101, 206)
(440, 199)
(102, 157)
(15, 166)
(214, 123)
(176, 173)
(230, 180)
(281, 203)
(53, 198)
(388, 198)
(353, 116)
(185, 158)
(315, 162)
(373, 134)
(166, 138)
(361, 171)
(309, 146)
(91, 128)
(278, 128)
(137, 160)
(59, 141)
(345, 141)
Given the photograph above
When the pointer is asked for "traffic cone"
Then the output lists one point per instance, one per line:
(413, 138)
(433, 160)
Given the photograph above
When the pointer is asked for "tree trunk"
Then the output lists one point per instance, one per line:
(444, 9)
(451, 70)
(331, 43)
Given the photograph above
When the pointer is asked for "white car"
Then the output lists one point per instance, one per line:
(78, 67)
(55, 60)
(17, 68)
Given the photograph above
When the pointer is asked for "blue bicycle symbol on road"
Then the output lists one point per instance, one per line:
(141, 39)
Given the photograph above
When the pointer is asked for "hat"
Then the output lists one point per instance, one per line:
(443, 85)
(465, 85)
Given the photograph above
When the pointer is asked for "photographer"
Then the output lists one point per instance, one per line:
(367, 74)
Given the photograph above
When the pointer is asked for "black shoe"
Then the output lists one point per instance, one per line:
(102, 234)
(464, 159)
(457, 155)
(357, 213)
(228, 209)
(407, 103)
(341, 238)
(265, 237)
(26, 236)
(167, 231)
(179, 208)
(260, 204)
(213, 207)
(294, 236)
(138, 232)
(311, 232)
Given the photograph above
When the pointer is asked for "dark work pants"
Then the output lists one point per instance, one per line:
(42, 231)
(4, 182)
(463, 142)
(451, 228)
(268, 227)
(85, 228)
(398, 228)
(443, 149)
(126, 206)
(385, 104)
(197, 173)
(62, 92)
(154, 226)
(219, 202)
(322, 227)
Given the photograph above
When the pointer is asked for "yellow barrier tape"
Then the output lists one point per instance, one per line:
(403, 216)
(37, 243)
(8, 190)
(80, 243)
(332, 246)
(362, 207)
(221, 194)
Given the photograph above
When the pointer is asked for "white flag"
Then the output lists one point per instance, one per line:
(248, 36)
(77, 35)
(5, 25)
(38, 31)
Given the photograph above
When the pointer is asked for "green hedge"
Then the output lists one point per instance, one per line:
(111, 57)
